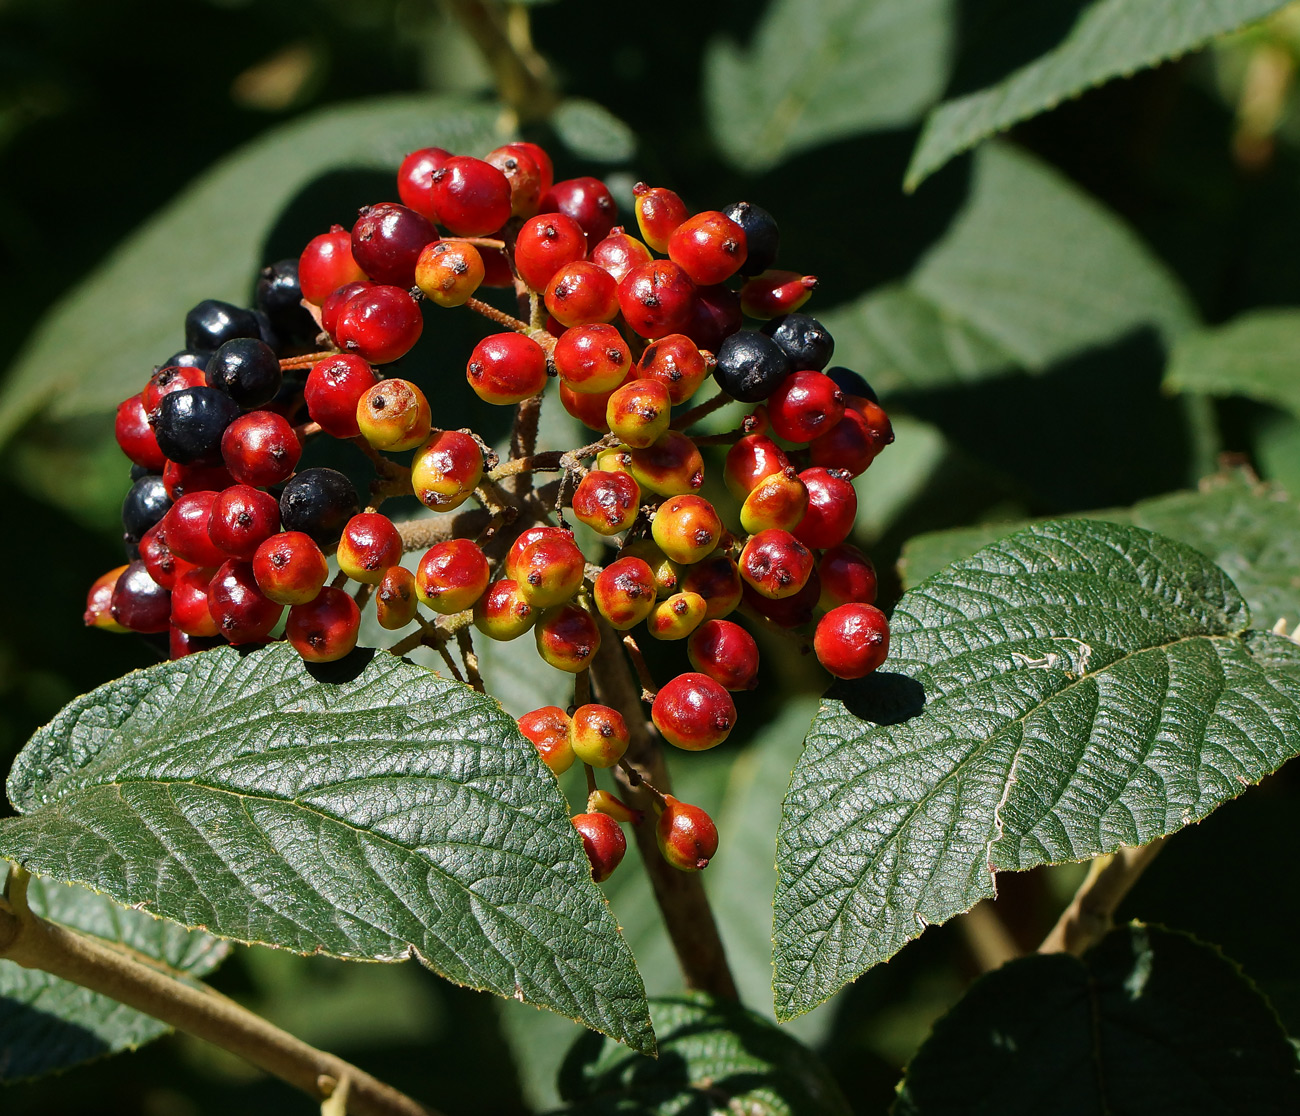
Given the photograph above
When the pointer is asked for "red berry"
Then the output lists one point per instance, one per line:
(852, 640)
(657, 299)
(471, 197)
(380, 324)
(677, 363)
(625, 592)
(99, 602)
(506, 368)
(665, 573)
(497, 271)
(672, 466)
(539, 156)
(501, 613)
(549, 571)
(163, 566)
(717, 580)
(395, 599)
(607, 502)
(658, 212)
(135, 436)
(717, 316)
(587, 200)
(545, 244)
(726, 653)
(523, 174)
(687, 837)
(848, 445)
(166, 380)
(290, 568)
(242, 518)
(832, 508)
(639, 412)
(806, 405)
(548, 729)
(333, 389)
(709, 247)
(369, 545)
(694, 712)
(190, 611)
(414, 179)
(567, 638)
(180, 479)
(449, 272)
(387, 240)
(324, 629)
(793, 611)
(446, 470)
(185, 527)
(452, 575)
(603, 841)
(779, 500)
(598, 735)
(581, 293)
(326, 264)
(332, 307)
(592, 358)
(526, 539)
(847, 577)
(242, 612)
(588, 407)
(139, 603)
(776, 292)
(260, 449)
(776, 563)
(394, 415)
(179, 644)
(619, 253)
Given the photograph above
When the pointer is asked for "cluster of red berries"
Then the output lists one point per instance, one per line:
(224, 531)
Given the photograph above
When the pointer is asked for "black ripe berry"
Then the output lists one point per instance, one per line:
(188, 424)
(188, 358)
(750, 366)
(247, 370)
(762, 237)
(279, 297)
(804, 340)
(138, 471)
(145, 504)
(850, 383)
(211, 324)
(318, 502)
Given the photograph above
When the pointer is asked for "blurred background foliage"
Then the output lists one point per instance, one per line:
(1019, 312)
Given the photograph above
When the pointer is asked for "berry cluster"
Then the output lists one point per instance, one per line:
(224, 531)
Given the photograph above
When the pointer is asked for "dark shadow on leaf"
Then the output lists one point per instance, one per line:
(347, 669)
(997, 37)
(34, 1043)
(883, 698)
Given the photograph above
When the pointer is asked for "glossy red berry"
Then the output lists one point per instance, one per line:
(677, 616)
(446, 470)
(326, 264)
(806, 405)
(686, 528)
(99, 602)
(166, 380)
(658, 212)
(657, 299)
(387, 240)
(592, 358)
(587, 200)
(242, 518)
(776, 563)
(672, 466)
(832, 508)
(639, 412)
(185, 527)
(244, 614)
(693, 712)
(710, 247)
(139, 603)
(793, 611)
(395, 598)
(524, 175)
(414, 179)
(394, 415)
(545, 244)
(526, 538)
(471, 197)
(260, 449)
(290, 568)
(687, 837)
(449, 272)
(589, 407)
(190, 610)
(163, 566)
(598, 735)
(581, 293)
(717, 580)
(506, 368)
(548, 729)
(726, 653)
(847, 577)
(549, 571)
(325, 629)
(776, 292)
(333, 305)
(179, 644)
(852, 640)
(603, 841)
(180, 479)
(334, 388)
(677, 363)
(501, 613)
(539, 156)
(567, 638)
(380, 324)
(849, 445)
(369, 545)
(452, 575)
(135, 436)
(779, 500)
(625, 592)
(607, 502)
(619, 253)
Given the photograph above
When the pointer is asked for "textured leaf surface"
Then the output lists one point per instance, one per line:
(1075, 687)
(819, 70)
(1031, 271)
(1254, 355)
(48, 1024)
(379, 814)
(208, 244)
(1148, 1021)
(1251, 531)
(1082, 45)
(591, 131)
(713, 1057)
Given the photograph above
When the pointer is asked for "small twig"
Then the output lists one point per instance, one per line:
(581, 689)
(477, 241)
(499, 316)
(1090, 915)
(406, 644)
(703, 410)
(643, 675)
(552, 461)
(523, 435)
(362, 595)
(727, 439)
(636, 779)
(305, 430)
(987, 937)
(336, 1095)
(340, 580)
(432, 637)
(465, 641)
(420, 534)
(591, 779)
(523, 78)
(305, 360)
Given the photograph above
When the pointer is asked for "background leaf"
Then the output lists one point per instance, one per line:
(1147, 1021)
(1072, 688)
(591, 131)
(1253, 355)
(1023, 58)
(48, 1024)
(380, 814)
(713, 1056)
(818, 70)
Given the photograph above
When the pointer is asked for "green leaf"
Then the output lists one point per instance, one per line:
(1032, 271)
(819, 70)
(714, 1056)
(1072, 688)
(591, 131)
(1253, 355)
(99, 344)
(48, 1024)
(1148, 1021)
(378, 813)
(1071, 48)
(1249, 530)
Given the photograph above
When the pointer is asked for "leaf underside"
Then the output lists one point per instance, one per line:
(380, 814)
(1077, 686)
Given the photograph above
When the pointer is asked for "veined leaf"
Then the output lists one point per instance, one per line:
(819, 70)
(48, 1024)
(1147, 1021)
(1079, 44)
(1072, 688)
(1253, 355)
(386, 814)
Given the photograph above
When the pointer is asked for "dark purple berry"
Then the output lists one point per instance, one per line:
(145, 504)
(247, 370)
(751, 366)
(188, 424)
(805, 341)
(318, 502)
(212, 323)
(762, 237)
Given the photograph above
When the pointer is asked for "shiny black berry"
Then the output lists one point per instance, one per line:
(145, 504)
(803, 339)
(138, 471)
(318, 502)
(750, 366)
(188, 424)
(188, 358)
(212, 323)
(247, 370)
(279, 297)
(762, 237)
(850, 383)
